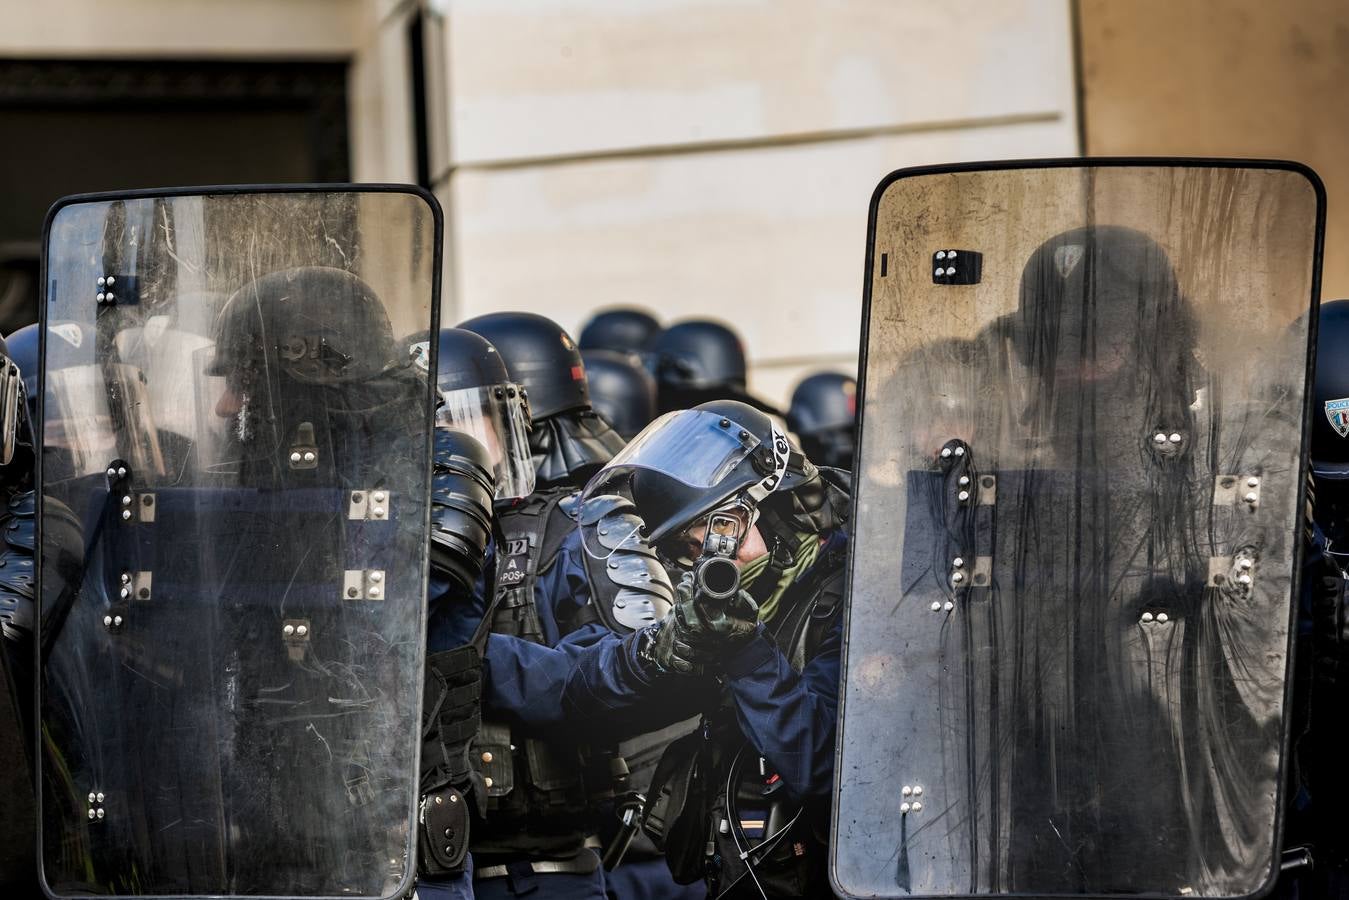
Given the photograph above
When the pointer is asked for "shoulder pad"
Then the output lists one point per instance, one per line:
(597, 508)
(629, 586)
(571, 505)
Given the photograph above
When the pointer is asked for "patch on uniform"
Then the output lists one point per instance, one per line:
(1337, 411)
(420, 353)
(517, 563)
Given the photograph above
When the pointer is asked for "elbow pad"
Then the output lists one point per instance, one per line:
(462, 487)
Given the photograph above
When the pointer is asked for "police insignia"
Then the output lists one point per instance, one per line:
(1337, 411)
(517, 562)
(420, 354)
(1066, 259)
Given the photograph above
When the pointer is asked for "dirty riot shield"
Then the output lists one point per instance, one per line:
(234, 481)
(1078, 519)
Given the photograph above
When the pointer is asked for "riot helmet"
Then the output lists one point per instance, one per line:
(478, 398)
(540, 356)
(623, 330)
(1101, 321)
(1330, 409)
(82, 402)
(700, 360)
(700, 354)
(823, 415)
(568, 440)
(621, 390)
(691, 462)
(304, 389)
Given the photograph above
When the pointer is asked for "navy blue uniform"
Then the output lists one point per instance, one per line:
(523, 683)
(590, 681)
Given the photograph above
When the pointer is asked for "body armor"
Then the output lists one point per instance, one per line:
(630, 588)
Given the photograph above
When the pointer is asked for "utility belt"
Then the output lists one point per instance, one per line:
(544, 798)
(583, 861)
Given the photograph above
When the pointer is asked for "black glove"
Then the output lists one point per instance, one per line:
(698, 632)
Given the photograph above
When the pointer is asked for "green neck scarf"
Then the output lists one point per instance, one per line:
(807, 550)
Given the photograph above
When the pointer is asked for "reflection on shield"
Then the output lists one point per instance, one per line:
(1076, 531)
(234, 486)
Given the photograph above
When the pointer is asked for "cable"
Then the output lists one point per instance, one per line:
(733, 823)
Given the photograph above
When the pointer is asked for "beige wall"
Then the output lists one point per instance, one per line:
(697, 157)
(1240, 78)
(716, 157)
(168, 29)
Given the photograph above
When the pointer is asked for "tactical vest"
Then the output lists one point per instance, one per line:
(539, 794)
(690, 815)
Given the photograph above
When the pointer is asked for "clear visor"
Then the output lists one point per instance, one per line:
(94, 415)
(693, 446)
(11, 402)
(497, 417)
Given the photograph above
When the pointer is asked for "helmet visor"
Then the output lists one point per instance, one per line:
(94, 415)
(695, 447)
(498, 418)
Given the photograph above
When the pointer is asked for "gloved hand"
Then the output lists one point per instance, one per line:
(698, 632)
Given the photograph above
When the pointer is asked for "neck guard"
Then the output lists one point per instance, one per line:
(570, 447)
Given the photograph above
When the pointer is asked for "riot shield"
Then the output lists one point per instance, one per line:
(235, 476)
(1077, 527)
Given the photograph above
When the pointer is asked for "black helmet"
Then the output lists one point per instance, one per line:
(1330, 412)
(823, 401)
(477, 398)
(824, 416)
(624, 330)
(1101, 323)
(621, 390)
(689, 462)
(285, 319)
(1106, 282)
(699, 354)
(463, 359)
(541, 357)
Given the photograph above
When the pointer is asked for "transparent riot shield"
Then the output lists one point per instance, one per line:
(235, 474)
(1077, 530)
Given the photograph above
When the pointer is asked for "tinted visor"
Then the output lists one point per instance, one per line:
(695, 447)
(497, 417)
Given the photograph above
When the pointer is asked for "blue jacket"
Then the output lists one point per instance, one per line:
(590, 681)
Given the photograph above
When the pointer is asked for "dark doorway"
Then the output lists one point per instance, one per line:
(73, 126)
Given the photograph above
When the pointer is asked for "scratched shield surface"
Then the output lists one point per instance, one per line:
(235, 473)
(1077, 522)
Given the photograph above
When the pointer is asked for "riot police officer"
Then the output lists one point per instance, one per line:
(568, 440)
(481, 453)
(534, 815)
(698, 360)
(720, 495)
(823, 414)
(621, 390)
